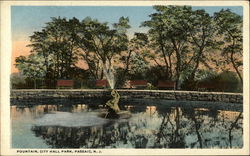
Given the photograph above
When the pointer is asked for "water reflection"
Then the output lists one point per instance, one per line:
(149, 127)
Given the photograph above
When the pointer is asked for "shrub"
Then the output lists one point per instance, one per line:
(226, 81)
(150, 86)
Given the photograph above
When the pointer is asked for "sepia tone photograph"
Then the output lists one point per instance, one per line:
(92, 78)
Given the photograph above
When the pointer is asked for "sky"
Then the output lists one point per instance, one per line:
(27, 19)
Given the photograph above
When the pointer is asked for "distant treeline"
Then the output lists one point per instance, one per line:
(182, 45)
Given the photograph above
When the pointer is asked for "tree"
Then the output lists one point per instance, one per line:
(230, 25)
(134, 60)
(201, 41)
(57, 45)
(100, 43)
(39, 46)
(56, 50)
(169, 30)
(138, 67)
(31, 66)
(61, 41)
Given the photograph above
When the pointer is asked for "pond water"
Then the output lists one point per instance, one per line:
(154, 124)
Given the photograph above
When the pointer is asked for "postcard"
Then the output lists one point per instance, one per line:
(124, 77)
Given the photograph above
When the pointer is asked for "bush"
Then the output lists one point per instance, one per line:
(150, 86)
(17, 81)
(229, 82)
(226, 81)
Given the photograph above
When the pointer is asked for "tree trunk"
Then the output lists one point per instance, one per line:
(178, 64)
(164, 56)
(34, 83)
(234, 65)
(236, 68)
(127, 63)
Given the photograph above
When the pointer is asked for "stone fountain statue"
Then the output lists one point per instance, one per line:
(113, 110)
(113, 103)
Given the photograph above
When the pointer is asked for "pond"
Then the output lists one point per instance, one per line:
(154, 124)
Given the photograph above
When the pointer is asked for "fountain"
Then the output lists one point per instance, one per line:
(113, 110)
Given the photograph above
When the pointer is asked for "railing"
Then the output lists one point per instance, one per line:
(101, 83)
(166, 84)
(130, 84)
(65, 84)
(138, 83)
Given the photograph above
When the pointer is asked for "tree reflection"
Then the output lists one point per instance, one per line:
(232, 126)
(197, 120)
(156, 127)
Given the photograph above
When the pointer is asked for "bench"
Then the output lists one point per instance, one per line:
(166, 84)
(101, 83)
(65, 84)
(138, 83)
